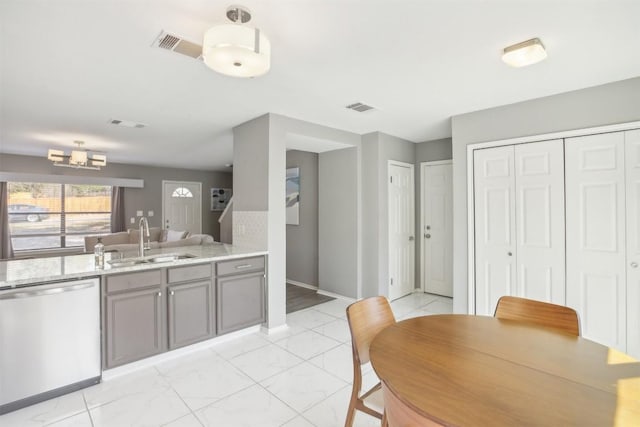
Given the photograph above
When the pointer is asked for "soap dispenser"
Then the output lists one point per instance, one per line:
(98, 252)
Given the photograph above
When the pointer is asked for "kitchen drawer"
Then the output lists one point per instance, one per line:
(130, 281)
(189, 272)
(243, 265)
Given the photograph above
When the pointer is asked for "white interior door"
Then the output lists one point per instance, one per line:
(182, 206)
(437, 228)
(539, 191)
(595, 206)
(494, 183)
(401, 230)
(632, 157)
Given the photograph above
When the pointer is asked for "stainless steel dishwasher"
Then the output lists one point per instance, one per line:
(49, 341)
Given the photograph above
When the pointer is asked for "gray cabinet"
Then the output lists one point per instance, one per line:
(191, 308)
(148, 312)
(240, 297)
(134, 326)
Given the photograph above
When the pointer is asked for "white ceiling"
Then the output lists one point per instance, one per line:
(68, 66)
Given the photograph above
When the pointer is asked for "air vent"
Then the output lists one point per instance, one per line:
(359, 107)
(177, 44)
(127, 123)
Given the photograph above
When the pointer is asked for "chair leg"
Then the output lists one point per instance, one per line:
(385, 422)
(351, 413)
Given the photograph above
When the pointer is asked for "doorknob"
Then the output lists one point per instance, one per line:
(634, 264)
(509, 253)
(427, 236)
(411, 238)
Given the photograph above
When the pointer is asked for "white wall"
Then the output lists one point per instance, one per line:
(617, 102)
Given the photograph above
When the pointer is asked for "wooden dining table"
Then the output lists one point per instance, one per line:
(463, 370)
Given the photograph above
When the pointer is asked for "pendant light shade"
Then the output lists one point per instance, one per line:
(237, 50)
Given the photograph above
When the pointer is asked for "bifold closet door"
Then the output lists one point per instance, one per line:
(595, 204)
(632, 167)
(494, 226)
(519, 223)
(540, 250)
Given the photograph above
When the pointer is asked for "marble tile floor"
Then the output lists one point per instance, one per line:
(299, 377)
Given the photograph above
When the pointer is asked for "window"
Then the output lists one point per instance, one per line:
(181, 192)
(50, 216)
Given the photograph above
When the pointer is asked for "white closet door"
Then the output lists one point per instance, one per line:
(632, 157)
(539, 194)
(595, 210)
(494, 226)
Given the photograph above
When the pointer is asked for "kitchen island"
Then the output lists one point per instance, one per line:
(170, 299)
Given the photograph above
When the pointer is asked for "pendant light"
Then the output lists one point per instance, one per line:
(235, 49)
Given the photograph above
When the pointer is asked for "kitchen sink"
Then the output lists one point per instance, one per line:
(126, 262)
(168, 257)
(156, 258)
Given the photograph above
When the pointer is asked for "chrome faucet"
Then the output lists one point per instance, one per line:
(141, 246)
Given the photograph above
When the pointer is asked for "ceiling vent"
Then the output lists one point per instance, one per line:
(176, 44)
(360, 107)
(127, 123)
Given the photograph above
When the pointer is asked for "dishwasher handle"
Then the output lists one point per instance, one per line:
(51, 291)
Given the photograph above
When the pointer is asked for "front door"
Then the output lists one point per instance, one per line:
(182, 206)
(437, 228)
(401, 230)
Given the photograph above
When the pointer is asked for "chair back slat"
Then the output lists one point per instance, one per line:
(555, 316)
(366, 319)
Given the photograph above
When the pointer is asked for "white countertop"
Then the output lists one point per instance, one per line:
(18, 273)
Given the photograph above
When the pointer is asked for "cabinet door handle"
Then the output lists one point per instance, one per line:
(159, 294)
(172, 293)
(242, 266)
(634, 264)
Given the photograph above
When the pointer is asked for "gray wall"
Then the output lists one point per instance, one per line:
(617, 102)
(144, 199)
(370, 217)
(250, 165)
(302, 239)
(430, 151)
(338, 221)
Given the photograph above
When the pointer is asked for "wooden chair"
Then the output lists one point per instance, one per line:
(554, 316)
(399, 414)
(366, 319)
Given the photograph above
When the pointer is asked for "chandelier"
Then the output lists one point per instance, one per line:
(79, 158)
(235, 49)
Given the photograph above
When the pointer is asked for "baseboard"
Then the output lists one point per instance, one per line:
(334, 295)
(275, 330)
(320, 291)
(112, 373)
(302, 285)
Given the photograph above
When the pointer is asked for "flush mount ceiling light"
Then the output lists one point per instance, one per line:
(235, 49)
(78, 159)
(525, 53)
